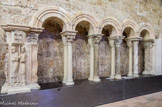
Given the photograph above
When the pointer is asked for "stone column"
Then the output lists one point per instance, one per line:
(96, 40)
(148, 44)
(69, 35)
(118, 42)
(65, 59)
(91, 44)
(135, 57)
(111, 42)
(129, 44)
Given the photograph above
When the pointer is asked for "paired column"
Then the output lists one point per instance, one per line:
(115, 43)
(68, 37)
(94, 40)
(148, 44)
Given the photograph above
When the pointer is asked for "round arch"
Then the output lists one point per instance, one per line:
(149, 28)
(110, 21)
(84, 16)
(132, 24)
(47, 12)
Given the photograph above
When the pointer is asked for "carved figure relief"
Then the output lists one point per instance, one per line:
(14, 65)
(22, 67)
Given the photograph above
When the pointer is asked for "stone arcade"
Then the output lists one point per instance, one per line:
(58, 47)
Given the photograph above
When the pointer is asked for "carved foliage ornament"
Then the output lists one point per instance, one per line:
(32, 38)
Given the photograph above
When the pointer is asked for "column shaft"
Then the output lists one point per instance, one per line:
(135, 58)
(96, 64)
(69, 67)
(91, 62)
(130, 72)
(65, 63)
(112, 75)
(118, 73)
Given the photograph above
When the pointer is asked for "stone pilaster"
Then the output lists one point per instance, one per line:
(148, 44)
(68, 36)
(96, 40)
(32, 62)
(118, 42)
(130, 46)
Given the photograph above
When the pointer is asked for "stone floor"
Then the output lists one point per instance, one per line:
(150, 100)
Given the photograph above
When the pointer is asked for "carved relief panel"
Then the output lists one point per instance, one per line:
(18, 36)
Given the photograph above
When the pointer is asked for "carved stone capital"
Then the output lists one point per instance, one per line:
(97, 38)
(148, 44)
(118, 40)
(32, 37)
(90, 40)
(111, 42)
(129, 44)
(68, 36)
(18, 36)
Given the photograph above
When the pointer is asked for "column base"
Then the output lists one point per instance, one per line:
(112, 77)
(34, 86)
(5, 89)
(135, 75)
(90, 79)
(64, 81)
(146, 72)
(96, 79)
(18, 89)
(69, 83)
(130, 75)
(118, 77)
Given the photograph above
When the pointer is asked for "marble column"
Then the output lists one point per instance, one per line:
(112, 45)
(129, 44)
(118, 42)
(68, 36)
(135, 57)
(91, 44)
(148, 44)
(96, 40)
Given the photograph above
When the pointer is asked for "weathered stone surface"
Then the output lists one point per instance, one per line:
(104, 57)
(50, 57)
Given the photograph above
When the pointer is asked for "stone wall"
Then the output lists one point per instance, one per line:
(50, 56)
(21, 11)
